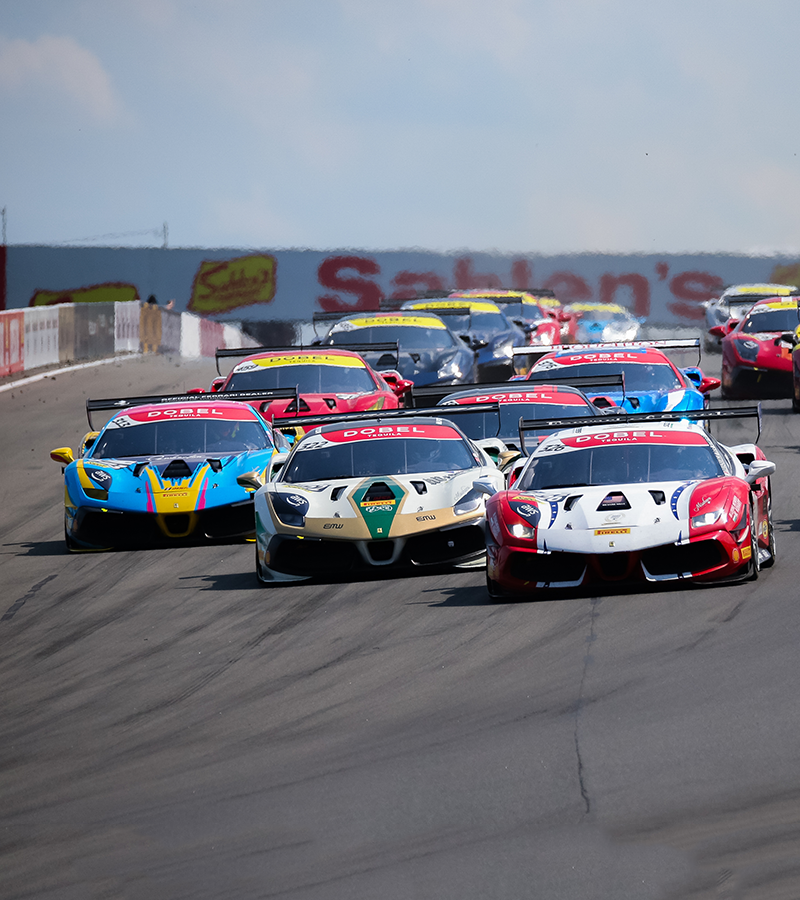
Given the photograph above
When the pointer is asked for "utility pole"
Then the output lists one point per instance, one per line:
(166, 232)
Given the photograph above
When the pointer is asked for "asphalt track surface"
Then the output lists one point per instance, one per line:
(172, 730)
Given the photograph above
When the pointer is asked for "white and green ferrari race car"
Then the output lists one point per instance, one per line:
(372, 491)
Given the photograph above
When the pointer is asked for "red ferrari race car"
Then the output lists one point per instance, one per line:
(756, 357)
(639, 498)
(324, 379)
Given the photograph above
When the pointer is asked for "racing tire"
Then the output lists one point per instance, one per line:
(70, 545)
(771, 530)
(796, 397)
(496, 593)
(755, 565)
(259, 580)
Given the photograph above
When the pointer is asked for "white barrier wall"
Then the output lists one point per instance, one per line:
(41, 337)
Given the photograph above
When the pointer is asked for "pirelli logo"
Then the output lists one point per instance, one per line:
(599, 531)
(374, 503)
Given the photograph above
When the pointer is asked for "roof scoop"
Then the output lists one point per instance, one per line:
(614, 500)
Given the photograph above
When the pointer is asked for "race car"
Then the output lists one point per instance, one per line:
(362, 494)
(652, 381)
(735, 302)
(630, 501)
(428, 351)
(540, 316)
(599, 322)
(756, 358)
(484, 327)
(325, 379)
(163, 471)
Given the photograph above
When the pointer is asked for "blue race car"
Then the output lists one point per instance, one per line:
(653, 383)
(163, 471)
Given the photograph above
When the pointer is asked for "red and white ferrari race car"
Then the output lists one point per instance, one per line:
(634, 499)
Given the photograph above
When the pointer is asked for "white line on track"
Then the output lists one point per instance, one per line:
(52, 372)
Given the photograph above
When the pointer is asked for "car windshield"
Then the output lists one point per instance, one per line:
(480, 425)
(394, 456)
(530, 312)
(409, 337)
(309, 379)
(629, 464)
(785, 319)
(638, 376)
(186, 437)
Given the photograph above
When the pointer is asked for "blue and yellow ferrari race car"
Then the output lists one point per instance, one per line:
(163, 471)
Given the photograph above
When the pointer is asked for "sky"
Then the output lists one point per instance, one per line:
(519, 126)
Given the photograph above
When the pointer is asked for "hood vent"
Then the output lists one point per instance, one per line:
(614, 500)
(420, 487)
(177, 469)
(571, 501)
(658, 496)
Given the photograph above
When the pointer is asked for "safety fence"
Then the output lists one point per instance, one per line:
(73, 332)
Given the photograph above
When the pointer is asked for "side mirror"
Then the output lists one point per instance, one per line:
(276, 464)
(216, 384)
(708, 384)
(250, 481)
(484, 487)
(478, 343)
(694, 375)
(62, 455)
(718, 331)
(758, 469)
(88, 442)
(195, 391)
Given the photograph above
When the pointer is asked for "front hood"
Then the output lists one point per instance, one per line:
(323, 404)
(164, 484)
(376, 507)
(637, 516)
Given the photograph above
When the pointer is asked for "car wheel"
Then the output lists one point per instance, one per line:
(259, 578)
(755, 565)
(771, 530)
(497, 594)
(71, 546)
(796, 396)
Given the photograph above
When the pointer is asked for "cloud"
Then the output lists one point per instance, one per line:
(58, 67)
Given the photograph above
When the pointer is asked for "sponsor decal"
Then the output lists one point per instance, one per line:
(377, 503)
(747, 552)
(426, 518)
(436, 432)
(735, 555)
(333, 525)
(373, 321)
(599, 531)
(640, 436)
(223, 285)
(109, 292)
(307, 359)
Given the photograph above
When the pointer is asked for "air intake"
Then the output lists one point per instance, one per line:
(614, 500)
(177, 469)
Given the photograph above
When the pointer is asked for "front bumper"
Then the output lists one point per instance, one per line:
(756, 383)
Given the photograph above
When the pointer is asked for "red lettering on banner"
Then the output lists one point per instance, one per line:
(466, 280)
(3, 264)
(639, 285)
(368, 293)
(568, 287)
(521, 275)
(693, 288)
(409, 284)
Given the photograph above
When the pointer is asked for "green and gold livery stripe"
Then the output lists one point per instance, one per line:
(378, 515)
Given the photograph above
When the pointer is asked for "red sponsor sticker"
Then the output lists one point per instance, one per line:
(564, 399)
(436, 432)
(645, 357)
(237, 413)
(640, 436)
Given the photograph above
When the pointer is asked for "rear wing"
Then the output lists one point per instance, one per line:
(440, 412)
(585, 383)
(117, 403)
(550, 426)
(678, 344)
(364, 347)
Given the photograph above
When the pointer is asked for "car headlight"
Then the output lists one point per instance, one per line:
(747, 350)
(502, 350)
(706, 518)
(518, 530)
(450, 369)
(290, 509)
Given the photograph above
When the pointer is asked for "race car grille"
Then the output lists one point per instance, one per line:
(540, 567)
(445, 546)
(177, 523)
(670, 559)
(614, 566)
(295, 557)
(380, 551)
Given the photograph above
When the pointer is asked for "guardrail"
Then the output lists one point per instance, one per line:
(72, 332)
